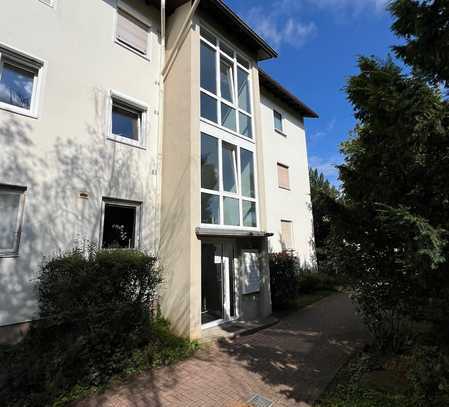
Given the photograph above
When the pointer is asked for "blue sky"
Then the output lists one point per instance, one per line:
(318, 43)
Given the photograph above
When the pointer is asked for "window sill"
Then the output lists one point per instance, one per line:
(285, 188)
(18, 110)
(124, 45)
(9, 255)
(123, 140)
(280, 132)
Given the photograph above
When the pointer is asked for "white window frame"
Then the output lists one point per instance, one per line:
(126, 8)
(29, 63)
(219, 54)
(21, 191)
(143, 125)
(280, 131)
(223, 136)
(126, 204)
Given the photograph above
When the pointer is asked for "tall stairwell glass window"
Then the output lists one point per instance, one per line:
(225, 86)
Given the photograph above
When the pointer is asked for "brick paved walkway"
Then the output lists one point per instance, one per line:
(290, 363)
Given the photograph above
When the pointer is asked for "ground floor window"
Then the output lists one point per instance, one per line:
(12, 200)
(121, 224)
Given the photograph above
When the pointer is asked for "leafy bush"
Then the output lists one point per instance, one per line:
(289, 279)
(283, 278)
(98, 322)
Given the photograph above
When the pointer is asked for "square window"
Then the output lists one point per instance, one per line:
(132, 32)
(120, 225)
(278, 121)
(11, 210)
(19, 77)
(128, 121)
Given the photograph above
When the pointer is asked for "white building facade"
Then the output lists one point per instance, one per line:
(107, 138)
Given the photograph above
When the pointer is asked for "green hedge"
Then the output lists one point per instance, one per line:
(98, 321)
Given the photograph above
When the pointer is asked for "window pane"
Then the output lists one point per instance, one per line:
(231, 211)
(247, 168)
(229, 153)
(228, 117)
(242, 61)
(208, 36)
(119, 226)
(208, 68)
(9, 210)
(209, 162)
(125, 123)
(277, 121)
(227, 50)
(16, 86)
(243, 89)
(226, 80)
(245, 125)
(210, 209)
(208, 107)
(249, 214)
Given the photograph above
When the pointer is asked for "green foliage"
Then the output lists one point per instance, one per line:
(429, 377)
(289, 280)
(283, 278)
(423, 24)
(98, 322)
(391, 237)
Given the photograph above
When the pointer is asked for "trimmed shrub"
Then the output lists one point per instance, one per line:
(309, 282)
(283, 278)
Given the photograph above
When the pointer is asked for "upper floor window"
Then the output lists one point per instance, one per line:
(225, 86)
(278, 121)
(20, 78)
(228, 193)
(132, 31)
(283, 176)
(128, 120)
(287, 234)
(11, 209)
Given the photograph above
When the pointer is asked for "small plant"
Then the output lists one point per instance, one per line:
(283, 278)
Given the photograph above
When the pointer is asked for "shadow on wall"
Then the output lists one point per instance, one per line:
(55, 216)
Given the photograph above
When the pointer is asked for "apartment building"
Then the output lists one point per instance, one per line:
(134, 125)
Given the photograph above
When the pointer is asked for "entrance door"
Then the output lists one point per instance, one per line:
(217, 282)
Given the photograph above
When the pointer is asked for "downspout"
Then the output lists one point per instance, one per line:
(158, 205)
(179, 38)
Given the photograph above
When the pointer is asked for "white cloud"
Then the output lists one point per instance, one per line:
(326, 166)
(351, 6)
(323, 132)
(279, 29)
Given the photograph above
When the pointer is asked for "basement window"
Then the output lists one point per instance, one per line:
(121, 224)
